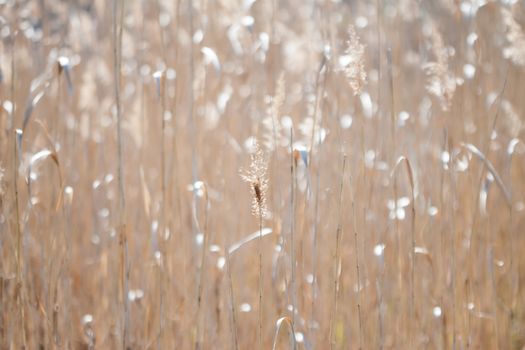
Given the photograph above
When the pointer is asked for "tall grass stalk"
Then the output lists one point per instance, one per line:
(19, 292)
(16, 135)
(118, 19)
(256, 176)
(453, 267)
(357, 272)
(337, 262)
(314, 246)
(393, 153)
(164, 233)
(412, 253)
(380, 283)
(233, 317)
(292, 226)
(202, 271)
(514, 264)
(191, 121)
(260, 306)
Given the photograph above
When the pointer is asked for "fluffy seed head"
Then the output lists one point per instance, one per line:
(441, 81)
(515, 51)
(355, 68)
(255, 175)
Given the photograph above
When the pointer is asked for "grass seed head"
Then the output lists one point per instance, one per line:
(255, 175)
(355, 69)
(515, 51)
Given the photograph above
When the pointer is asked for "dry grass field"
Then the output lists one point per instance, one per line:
(258, 174)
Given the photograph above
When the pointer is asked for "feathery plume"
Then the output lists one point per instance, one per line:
(255, 175)
(441, 82)
(516, 50)
(273, 135)
(353, 62)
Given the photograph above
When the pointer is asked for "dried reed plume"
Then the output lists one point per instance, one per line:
(354, 68)
(273, 135)
(278, 99)
(255, 175)
(516, 50)
(441, 82)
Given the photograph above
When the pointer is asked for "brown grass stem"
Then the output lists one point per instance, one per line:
(118, 19)
(337, 262)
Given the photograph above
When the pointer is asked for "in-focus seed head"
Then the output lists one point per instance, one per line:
(255, 175)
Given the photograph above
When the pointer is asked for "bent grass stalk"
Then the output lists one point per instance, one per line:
(53, 282)
(231, 250)
(508, 199)
(291, 332)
